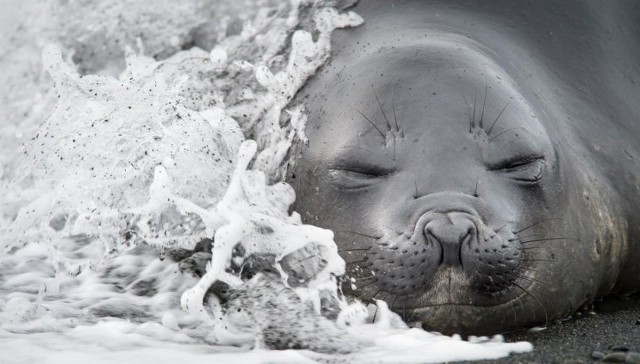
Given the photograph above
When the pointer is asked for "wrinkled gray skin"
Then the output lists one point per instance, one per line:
(479, 161)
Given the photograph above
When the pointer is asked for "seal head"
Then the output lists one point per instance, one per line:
(450, 192)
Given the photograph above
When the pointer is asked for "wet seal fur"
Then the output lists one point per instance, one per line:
(479, 162)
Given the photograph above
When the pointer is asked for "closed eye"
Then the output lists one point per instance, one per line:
(355, 178)
(528, 170)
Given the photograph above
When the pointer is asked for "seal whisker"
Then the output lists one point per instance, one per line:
(392, 302)
(395, 117)
(522, 305)
(546, 317)
(537, 260)
(473, 120)
(368, 277)
(393, 230)
(547, 239)
(404, 307)
(363, 287)
(523, 237)
(508, 130)
(493, 283)
(375, 294)
(466, 104)
(519, 299)
(372, 124)
(394, 147)
(536, 224)
(360, 234)
(502, 227)
(360, 261)
(500, 114)
(359, 295)
(373, 320)
(353, 250)
(384, 114)
(372, 297)
(486, 90)
(533, 270)
(531, 279)
(475, 191)
(362, 291)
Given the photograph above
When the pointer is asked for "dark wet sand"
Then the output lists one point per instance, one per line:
(614, 327)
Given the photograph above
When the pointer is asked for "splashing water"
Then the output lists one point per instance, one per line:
(108, 206)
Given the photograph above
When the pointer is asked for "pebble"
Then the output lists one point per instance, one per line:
(638, 322)
(597, 354)
(630, 357)
(618, 348)
(615, 358)
(633, 357)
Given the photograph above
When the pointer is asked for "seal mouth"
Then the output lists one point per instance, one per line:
(426, 308)
(449, 259)
(480, 315)
(450, 287)
(477, 301)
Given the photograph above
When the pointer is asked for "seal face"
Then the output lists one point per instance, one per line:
(449, 197)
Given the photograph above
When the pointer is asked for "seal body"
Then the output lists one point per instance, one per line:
(479, 162)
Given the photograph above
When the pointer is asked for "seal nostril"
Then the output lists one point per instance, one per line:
(451, 232)
(466, 240)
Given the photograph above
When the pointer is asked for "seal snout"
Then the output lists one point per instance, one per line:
(450, 232)
(467, 245)
(449, 242)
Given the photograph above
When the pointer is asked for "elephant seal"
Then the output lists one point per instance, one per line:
(479, 162)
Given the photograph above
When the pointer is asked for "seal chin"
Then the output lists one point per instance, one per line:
(451, 286)
(452, 318)
(451, 306)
